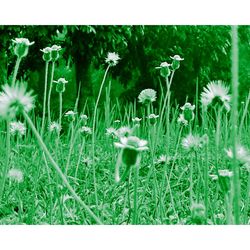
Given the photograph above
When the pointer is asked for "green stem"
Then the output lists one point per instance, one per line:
(234, 117)
(7, 159)
(72, 142)
(50, 90)
(246, 201)
(135, 208)
(45, 96)
(18, 61)
(50, 191)
(60, 109)
(94, 132)
(58, 169)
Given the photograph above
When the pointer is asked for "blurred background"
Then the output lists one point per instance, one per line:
(205, 49)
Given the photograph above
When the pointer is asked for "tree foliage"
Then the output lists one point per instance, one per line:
(206, 50)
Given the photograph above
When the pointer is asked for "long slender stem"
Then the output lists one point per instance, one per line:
(60, 110)
(45, 96)
(94, 131)
(234, 118)
(135, 208)
(70, 147)
(7, 159)
(50, 90)
(58, 169)
(18, 61)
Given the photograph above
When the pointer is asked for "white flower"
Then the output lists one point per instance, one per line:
(132, 143)
(177, 58)
(136, 119)
(192, 142)
(46, 50)
(163, 159)
(111, 132)
(153, 116)
(112, 59)
(23, 41)
(242, 154)
(117, 121)
(147, 96)
(17, 128)
(216, 91)
(70, 113)
(123, 132)
(15, 99)
(188, 106)
(56, 48)
(15, 175)
(22, 47)
(225, 173)
(84, 117)
(85, 130)
(163, 65)
(61, 81)
(182, 120)
(54, 126)
(214, 177)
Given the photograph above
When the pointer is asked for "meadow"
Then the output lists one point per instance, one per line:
(146, 162)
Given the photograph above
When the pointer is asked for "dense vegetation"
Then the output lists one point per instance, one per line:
(120, 128)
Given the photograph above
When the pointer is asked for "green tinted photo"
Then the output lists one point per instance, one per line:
(124, 125)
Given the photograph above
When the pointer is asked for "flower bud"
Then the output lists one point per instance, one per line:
(22, 47)
(70, 115)
(46, 54)
(176, 61)
(55, 52)
(60, 85)
(152, 118)
(198, 214)
(225, 180)
(165, 70)
(129, 156)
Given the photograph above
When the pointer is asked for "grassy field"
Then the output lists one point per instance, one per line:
(146, 162)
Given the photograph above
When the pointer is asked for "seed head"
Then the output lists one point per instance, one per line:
(112, 58)
(147, 96)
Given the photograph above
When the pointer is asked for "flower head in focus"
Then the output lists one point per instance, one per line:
(112, 58)
(187, 111)
(147, 96)
(176, 61)
(22, 47)
(47, 54)
(60, 85)
(55, 52)
(164, 69)
(14, 99)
